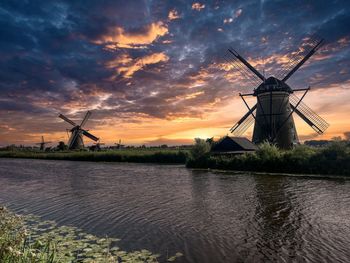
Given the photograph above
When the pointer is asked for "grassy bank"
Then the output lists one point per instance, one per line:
(135, 155)
(27, 239)
(331, 160)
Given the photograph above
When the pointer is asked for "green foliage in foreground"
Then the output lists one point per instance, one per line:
(331, 160)
(28, 239)
(136, 156)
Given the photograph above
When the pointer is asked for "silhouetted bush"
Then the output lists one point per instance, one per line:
(201, 147)
(333, 160)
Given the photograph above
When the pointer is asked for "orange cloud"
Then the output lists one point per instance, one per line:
(173, 14)
(117, 37)
(178, 99)
(198, 6)
(128, 66)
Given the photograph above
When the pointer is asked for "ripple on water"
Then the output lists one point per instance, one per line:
(210, 217)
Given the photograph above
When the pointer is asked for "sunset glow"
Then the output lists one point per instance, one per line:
(153, 72)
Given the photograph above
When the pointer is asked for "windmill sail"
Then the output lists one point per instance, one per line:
(308, 115)
(305, 47)
(87, 116)
(247, 64)
(67, 120)
(89, 135)
(297, 64)
(243, 66)
(244, 123)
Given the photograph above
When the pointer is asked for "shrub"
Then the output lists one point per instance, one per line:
(333, 159)
(268, 152)
(200, 148)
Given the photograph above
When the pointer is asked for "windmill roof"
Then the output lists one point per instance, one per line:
(272, 84)
(234, 144)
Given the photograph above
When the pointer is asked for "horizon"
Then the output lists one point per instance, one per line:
(153, 72)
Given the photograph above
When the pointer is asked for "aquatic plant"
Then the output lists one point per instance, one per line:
(30, 239)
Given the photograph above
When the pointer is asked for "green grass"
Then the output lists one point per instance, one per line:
(134, 155)
(331, 160)
(28, 239)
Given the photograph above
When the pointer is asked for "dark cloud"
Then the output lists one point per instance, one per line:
(53, 58)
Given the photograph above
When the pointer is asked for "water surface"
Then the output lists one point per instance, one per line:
(209, 217)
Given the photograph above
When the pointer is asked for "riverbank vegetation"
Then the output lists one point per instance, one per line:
(28, 239)
(170, 156)
(333, 159)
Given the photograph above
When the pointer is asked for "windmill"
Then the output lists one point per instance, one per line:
(272, 114)
(77, 132)
(96, 146)
(42, 143)
(119, 145)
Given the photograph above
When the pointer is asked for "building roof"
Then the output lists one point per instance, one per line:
(234, 144)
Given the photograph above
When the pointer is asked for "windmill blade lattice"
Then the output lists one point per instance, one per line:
(87, 116)
(244, 123)
(237, 64)
(67, 120)
(308, 115)
(89, 135)
(306, 50)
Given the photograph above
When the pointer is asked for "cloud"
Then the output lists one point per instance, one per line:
(117, 37)
(127, 66)
(173, 14)
(143, 72)
(235, 15)
(198, 6)
(238, 12)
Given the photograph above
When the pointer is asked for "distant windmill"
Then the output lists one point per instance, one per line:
(96, 146)
(272, 114)
(76, 138)
(42, 143)
(119, 145)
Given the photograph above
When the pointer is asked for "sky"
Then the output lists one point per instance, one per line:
(154, 72)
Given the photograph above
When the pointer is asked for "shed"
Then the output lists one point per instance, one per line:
(233, 145)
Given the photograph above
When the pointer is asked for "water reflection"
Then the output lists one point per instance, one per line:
(278, 219)
(210, 217)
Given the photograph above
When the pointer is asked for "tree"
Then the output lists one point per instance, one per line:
(210, 140)
(62, 146)
(200, 148)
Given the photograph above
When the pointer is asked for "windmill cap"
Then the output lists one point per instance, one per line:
(272, 84)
